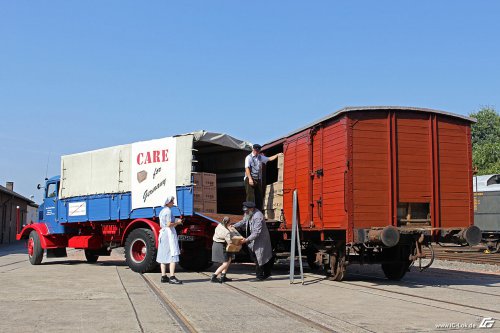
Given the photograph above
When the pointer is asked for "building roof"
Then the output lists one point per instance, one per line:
(7, 191)
(371, 108)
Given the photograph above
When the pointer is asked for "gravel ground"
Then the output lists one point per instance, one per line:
(467, 267)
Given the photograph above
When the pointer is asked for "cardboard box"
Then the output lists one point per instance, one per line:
(273, 202)
(280, 175)
(232, 248)
(274, 189)
(205, 179)
(281, 161)
(198, 179)
(198, 206)
(278, 204)
(209, 180)
(210, 207)
(198, 194)
(236, 240)
(209, 193)
(274, 214)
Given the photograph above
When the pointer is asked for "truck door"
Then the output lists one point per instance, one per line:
(50, 205)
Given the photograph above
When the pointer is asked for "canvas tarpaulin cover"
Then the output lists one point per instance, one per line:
(109, 170)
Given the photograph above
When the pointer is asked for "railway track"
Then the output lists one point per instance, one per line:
(281, 309)
(432, 302)
(186, 326)
(467, 255)
(170, 307)
(408, 281)
(412, 297)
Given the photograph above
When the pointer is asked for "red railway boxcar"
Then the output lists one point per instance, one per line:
(376, 184)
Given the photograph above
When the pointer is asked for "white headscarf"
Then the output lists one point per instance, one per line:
(169, 199)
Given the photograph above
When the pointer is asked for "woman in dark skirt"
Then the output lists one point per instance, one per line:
(222, 237)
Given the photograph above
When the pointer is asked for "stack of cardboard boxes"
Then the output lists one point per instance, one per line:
(273, 197)
(205, 192)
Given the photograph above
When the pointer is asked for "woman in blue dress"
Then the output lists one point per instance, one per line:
(168, 243)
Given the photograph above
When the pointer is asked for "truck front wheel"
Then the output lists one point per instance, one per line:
(140, 250)
(91, 256)
(35, 251)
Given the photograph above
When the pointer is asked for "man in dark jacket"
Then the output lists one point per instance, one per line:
(258, 239)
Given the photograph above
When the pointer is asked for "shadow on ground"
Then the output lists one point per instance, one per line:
(439, 277)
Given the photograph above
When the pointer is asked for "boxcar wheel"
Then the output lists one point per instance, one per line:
(493, 248)
(311, 259)
(91, 256)
(337, 267)
(35, 251)
(140, 250)
(395, 271)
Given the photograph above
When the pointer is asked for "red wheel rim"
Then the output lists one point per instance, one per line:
(31, 246)
(138, 250)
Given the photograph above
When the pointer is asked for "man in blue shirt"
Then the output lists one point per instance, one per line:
(253, 174)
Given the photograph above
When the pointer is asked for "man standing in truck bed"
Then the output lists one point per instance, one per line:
(253, 174)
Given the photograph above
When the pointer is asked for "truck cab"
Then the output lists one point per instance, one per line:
(47, 211)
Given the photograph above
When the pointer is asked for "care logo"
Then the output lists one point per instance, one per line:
(487, 323)
(153, 173)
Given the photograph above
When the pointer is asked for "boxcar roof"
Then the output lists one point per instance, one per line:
(371, 108)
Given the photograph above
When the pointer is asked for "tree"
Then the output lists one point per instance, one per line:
(486, 141)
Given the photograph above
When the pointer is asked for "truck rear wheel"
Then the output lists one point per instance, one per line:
(195, 260)
(91, 256)
(35, 251)
(140, 250)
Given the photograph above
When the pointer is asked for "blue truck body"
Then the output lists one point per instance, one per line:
(105, 207)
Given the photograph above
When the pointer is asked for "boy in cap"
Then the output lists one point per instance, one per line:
(253, 174)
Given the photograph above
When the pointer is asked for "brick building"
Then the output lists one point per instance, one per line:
(9, 203)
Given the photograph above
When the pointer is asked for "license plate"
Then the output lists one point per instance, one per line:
(185, 238)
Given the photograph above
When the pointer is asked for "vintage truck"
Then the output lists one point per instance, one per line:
(112, 197)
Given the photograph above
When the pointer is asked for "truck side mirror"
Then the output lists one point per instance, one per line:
(39, 187)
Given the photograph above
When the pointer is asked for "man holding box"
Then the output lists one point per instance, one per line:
(253, 174)
(257, 239)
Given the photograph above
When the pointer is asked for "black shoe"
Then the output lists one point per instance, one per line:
(165, 279)
(215, 279)
(224, 278)
(174, 280)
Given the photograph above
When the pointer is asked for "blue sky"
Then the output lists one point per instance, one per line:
(81, 75)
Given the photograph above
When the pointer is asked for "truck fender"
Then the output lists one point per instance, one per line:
(141, 223)
(40, 228)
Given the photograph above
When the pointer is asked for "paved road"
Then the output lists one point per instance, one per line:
(67, 294)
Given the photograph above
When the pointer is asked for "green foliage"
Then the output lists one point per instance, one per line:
(486, 141)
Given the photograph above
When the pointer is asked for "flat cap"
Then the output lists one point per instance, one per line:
(248, 204)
